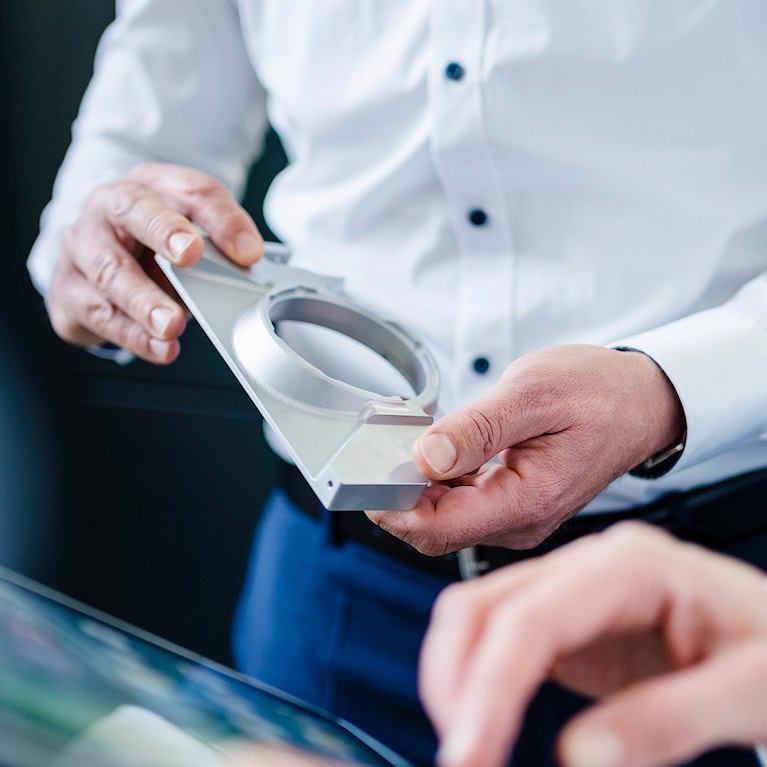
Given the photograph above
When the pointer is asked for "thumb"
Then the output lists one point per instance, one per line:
(467, 438)
(670, 719)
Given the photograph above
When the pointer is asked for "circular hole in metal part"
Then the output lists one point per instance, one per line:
(330, 483)
(348, 346)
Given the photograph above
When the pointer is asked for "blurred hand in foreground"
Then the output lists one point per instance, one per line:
(670, 639)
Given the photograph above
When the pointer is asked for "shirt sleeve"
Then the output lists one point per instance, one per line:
(717, 361)
(173, 83)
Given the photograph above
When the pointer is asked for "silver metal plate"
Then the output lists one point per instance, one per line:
(352, 445)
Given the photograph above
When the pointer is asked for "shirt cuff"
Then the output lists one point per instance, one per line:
(717, 362)
(112, 352)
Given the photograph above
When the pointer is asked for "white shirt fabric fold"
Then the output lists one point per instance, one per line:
(496, 176)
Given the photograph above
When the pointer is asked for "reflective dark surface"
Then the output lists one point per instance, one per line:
(77, 686)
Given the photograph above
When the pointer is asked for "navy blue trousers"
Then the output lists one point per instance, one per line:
(340, 626)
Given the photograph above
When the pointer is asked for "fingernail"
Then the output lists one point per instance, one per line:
(439, 452)
(160, 319)
(179, 242)
(159, 348)
(248, 246)
(594, 748)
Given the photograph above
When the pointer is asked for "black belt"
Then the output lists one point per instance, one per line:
(716, 516)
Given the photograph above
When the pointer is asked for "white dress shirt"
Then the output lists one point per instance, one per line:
(495, 176)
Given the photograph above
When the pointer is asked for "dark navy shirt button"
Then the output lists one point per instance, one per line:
(454, 71)
(478, 217)
(481, 365)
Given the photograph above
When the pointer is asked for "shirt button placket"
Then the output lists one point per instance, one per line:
(473, 192)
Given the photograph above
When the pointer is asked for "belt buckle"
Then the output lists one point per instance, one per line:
(470, 563)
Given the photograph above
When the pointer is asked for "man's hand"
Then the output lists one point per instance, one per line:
(671, 638)
(107, 286)
(562, 423)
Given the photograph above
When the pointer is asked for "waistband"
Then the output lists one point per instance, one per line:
(716, 516)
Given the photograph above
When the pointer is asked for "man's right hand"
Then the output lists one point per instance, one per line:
(107, 286)
(667, 638)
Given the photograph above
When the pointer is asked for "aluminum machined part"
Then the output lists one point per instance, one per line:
(352, 445)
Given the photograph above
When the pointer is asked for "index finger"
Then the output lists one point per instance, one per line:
(458, 620)
(567, 601)
(190, 197)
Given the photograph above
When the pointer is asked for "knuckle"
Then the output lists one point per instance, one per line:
(634, 539)
(137, 340)
(455, 600)
(230, 218)
(135, 306)
(626, 547)
(482, 432)
(96, 197)
(107, 268)
(199, 190)
(122, 199)
(200, 187)
(99, 315)
(133, 207)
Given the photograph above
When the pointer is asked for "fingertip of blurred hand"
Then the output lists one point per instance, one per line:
(455, 750)
(591, 747)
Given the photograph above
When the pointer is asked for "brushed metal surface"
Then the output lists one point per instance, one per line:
(351, 444)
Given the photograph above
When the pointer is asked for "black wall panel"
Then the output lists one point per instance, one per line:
(138, 487)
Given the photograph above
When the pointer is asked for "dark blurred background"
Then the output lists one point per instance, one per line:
(135, 489)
